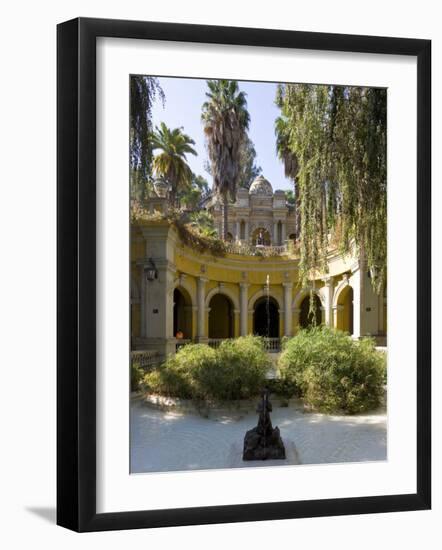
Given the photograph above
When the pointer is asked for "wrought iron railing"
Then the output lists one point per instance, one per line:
(146, 359)
(272, 345)
(180, 343)
(216, 342)
(258, 250)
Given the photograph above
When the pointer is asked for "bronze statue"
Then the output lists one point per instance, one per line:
(263, 442)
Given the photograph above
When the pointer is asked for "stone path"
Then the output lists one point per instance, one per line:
(171, 441)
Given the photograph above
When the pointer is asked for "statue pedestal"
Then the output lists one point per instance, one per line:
(260, 447)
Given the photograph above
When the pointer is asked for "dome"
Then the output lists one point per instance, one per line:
(261, 186)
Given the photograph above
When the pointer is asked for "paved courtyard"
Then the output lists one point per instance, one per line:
(166, 441)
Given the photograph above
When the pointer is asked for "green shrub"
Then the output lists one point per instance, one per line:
(333, 372)
(178, 376)
(242, 367)
(136, 376)
(283, 386)
(236, 370)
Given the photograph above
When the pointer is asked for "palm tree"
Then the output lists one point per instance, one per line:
(144, 90)
(171, 162)
(226, 121)
(286, 155)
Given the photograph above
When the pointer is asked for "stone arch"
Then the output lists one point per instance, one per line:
(299, 298)
(303, 293)
(261, 224)
(343, 307)
(182, 312)
(221, 316)
(307, 318)
(260, 294)
(266, 317)
(339, 288)
(183, 283)
(261, 233)
(221, 289)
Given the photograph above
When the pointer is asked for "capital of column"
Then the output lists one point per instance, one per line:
(287, 285)
(202, 281)
(244, 285)
(328, 281)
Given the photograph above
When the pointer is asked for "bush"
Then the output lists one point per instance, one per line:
(236, 370)
(333, 372)
(136, 376)
(242, 367)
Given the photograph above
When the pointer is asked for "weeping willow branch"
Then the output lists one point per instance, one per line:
(338, 137)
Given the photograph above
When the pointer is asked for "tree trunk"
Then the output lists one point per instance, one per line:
(225, 208)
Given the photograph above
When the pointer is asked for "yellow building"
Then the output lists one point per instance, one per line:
(176, 290)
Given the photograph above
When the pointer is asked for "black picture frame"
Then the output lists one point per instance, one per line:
(76, 273)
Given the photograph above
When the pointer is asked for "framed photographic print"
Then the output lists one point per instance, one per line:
(243, 274)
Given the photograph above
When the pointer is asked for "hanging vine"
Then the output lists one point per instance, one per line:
(338, 137)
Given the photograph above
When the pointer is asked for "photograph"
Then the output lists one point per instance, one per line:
(258, 273)
(220, 269)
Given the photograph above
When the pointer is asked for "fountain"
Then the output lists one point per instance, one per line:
(263, 442)
(268, 304)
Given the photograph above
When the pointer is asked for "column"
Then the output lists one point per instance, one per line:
(243, 304)
(355, 282)
(275, 234)
(142, 303)
(381, 306)
(283, 232)
(238, 230)
(287, 308)
(169, 277)
(328, 295)
(246, 230)
(201, 304)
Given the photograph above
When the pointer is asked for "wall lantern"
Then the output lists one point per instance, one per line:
(151, 271)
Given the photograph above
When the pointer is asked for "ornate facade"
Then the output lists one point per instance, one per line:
(259, 216)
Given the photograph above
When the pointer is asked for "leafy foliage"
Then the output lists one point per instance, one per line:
(195, 235)
(202, 222)
(288, 156)
(332, 141)
(236, 370)
(143, 92)
(171, 162)
(199, 239)
(190, 197)
(226, 121)
(249, 170)
(332, 372)
(136, 376)
(290, 197)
